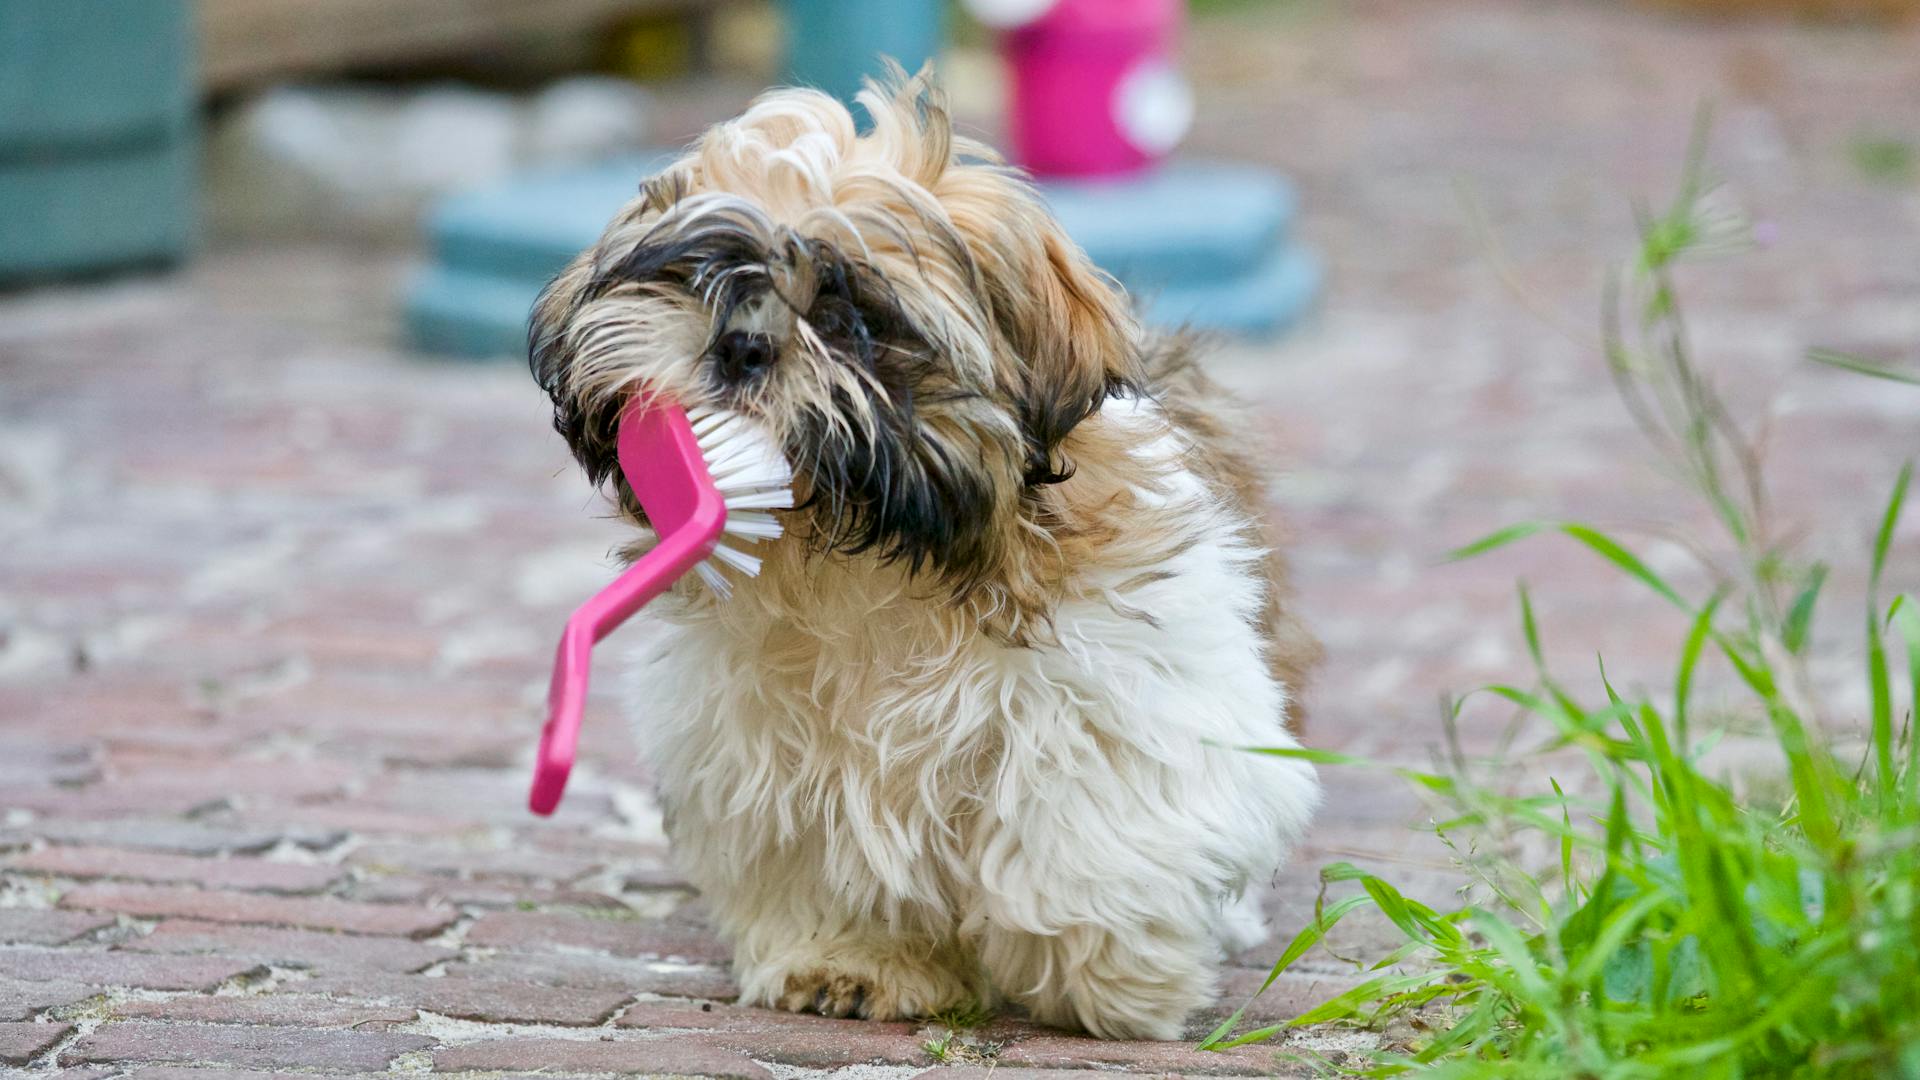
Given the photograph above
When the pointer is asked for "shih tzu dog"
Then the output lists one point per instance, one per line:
(970, 735)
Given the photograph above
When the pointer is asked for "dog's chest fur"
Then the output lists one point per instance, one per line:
(855, 720)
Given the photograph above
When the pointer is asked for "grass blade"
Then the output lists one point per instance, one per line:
(1799, 621)
(1861, 365)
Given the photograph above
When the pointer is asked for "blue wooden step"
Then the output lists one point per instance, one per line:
(1187, 222)
(1200, 243)
(532, 226)
(470, 315)
(1272, 298)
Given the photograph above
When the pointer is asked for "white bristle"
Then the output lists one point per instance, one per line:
(739, 560)
(753, 477)
(715, 580)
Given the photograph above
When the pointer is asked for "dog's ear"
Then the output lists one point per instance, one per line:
(584, 420)
(1071, 325)
(1070, 336)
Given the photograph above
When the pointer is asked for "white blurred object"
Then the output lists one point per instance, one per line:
(1007, 14)
(586, 118)
(323, 159)
(1153, 107)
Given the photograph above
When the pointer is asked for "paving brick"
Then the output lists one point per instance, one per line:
(109, 799)
(431, 750)
(263, 875)
(602, 972)
(1057, 1051)
(123, 969)
(46, 761)
(1290, 995)
(494, 796)
(479, 999)
(620, 937)
(664, 1056)
(606, 849)
(228, 776)
(21, 1000)
(994, 1072)
(176, 1072)
(796, 1039)
(464, 862)
(249, 1047)
(366, 820)
(814, 1044)
(287, 1009)
(702, 1016)
(182, 837)
(315, 949)
(42, 926)
(454, 892)
(320, 527)
(20, 1043)
(656, 877)
(322, 913)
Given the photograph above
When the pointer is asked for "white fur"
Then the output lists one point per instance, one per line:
(894, 801)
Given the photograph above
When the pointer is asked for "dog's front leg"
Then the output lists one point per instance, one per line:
(1102, 888)
(797, 951)
(851, 971)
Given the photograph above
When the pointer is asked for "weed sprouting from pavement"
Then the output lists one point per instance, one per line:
(953, 1045)
(1675, 925)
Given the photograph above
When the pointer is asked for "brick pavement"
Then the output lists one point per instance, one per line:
(276, 599)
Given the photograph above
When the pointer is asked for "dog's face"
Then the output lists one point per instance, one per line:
(897, 309)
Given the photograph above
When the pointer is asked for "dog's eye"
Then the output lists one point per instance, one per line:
(841, 323)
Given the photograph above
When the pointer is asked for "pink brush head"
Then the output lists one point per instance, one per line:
(661, 459)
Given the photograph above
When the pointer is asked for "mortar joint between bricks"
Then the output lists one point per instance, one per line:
(247, 982)
(201, 811)
(613, 1021)
(337, 851)
(261, 982)
(289, 850)
(413, 1062)
(50, 1058)
(125, 928)
(455, 1031)
(455, 936)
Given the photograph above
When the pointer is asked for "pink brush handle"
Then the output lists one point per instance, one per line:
(661, 460)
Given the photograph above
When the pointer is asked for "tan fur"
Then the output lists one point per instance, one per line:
(1228, 454)
(1016, 505)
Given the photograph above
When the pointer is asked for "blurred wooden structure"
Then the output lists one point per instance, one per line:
(249, 42)
(98, 135)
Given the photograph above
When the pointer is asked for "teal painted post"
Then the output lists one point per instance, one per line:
(833, 44)
(97, 134)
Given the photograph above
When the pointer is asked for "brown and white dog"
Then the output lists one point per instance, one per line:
(969, 736)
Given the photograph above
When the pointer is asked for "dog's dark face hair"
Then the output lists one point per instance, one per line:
(896, 309)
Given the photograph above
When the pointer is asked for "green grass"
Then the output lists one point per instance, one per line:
(1885, 160)
(1680, 923)
(953, 1046)
(1864, 366)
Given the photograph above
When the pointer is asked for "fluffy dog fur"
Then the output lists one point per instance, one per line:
(968, 734)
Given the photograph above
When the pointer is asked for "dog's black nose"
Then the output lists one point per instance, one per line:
(739, 355)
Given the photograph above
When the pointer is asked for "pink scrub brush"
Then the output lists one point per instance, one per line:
(697, 475)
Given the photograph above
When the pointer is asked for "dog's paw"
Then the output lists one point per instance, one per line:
(872, 987)
(832, 993)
